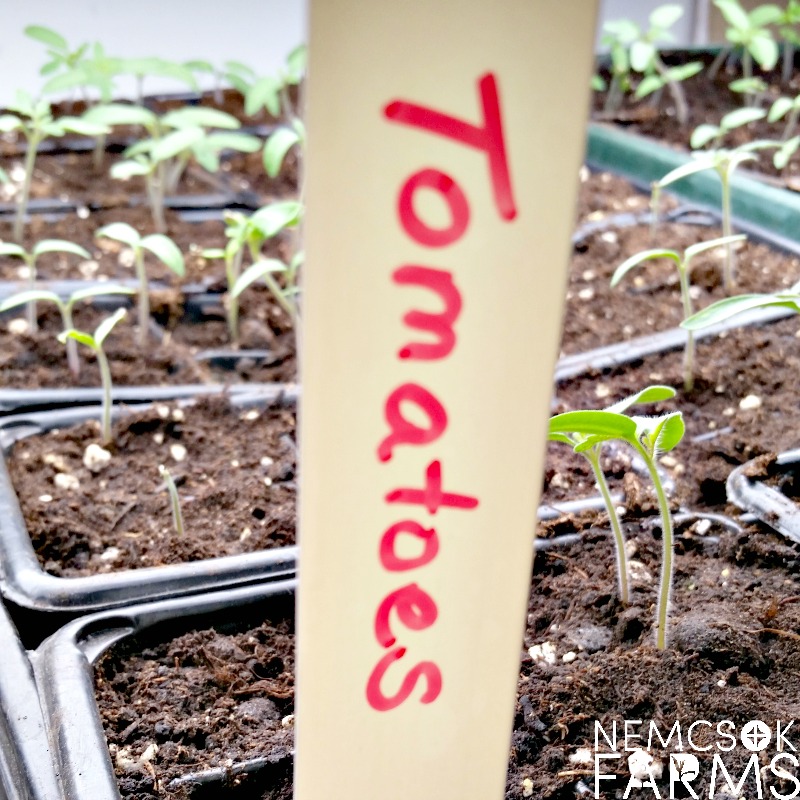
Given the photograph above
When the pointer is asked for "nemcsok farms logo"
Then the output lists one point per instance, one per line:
(698, 759)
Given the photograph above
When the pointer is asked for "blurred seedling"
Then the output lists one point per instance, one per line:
(248, 234)
(95, 343)
(174, 500)
(65, 309)
(683, 264)
(30, 258)
(35, 123)
(161, 246)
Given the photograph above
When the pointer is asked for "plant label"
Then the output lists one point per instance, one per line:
(444, 142)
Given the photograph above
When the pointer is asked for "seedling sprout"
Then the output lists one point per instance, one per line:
(683, 263)
(650, 437)
(42, 247)
(95, 343)
(160, 246)
(35, 122)
(174, 500)
(65, 309)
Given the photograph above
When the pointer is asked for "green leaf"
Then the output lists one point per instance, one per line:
(200, 66)
(597, 84)
(241, 142)
(199, 117)
(767, 14)
(635, 260)
(734, 14)
(741, 116)
(158, 67)
(685, 170)
(561, 437)
(9, 122)
(702, 135)
(10, 249)
(642, 54)
(671, 432)
(666, 16)
(623, 30)
(780, 108)
(78, 76)
(701, 247)
(731, 306)
(176, 142)
(297, 61)
(213, 252)
(106, 326)
(764, 50)
(276, 148)
(648, 85)
(256, 271)
(264, 93)
(23, 298)
(123, 170)
(83, 126)
(652, 394)
(607, 424)
(120, 232)
(683, 72)
(58, 246)
(47, 36)
(273, 218)
(78, 336)
(781, 158)
(142, 147)
(164, 248)
(121, 114)
(240, 69)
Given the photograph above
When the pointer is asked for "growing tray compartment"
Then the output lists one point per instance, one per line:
(63, 670)
(27, 585)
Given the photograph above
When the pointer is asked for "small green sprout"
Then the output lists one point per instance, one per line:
(35, 123)
(592, 453)
(750, 32)
(251, 233)
(645, 58)
(65, 309)
(683, 264)
(280, 143)
(272, 93)
(161, 246)
(95, 343)
(724, 163)
(635, 49)
(788, 107)
(174, 500)
(30, 257)
(649, 437)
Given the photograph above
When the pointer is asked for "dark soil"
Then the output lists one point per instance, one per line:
(234, 469)
(206, 697)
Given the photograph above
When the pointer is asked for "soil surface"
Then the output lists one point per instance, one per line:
(234, 470)
(206, 697)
